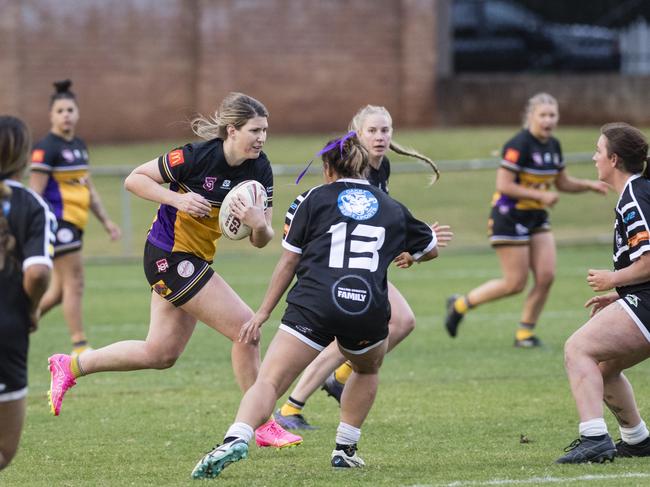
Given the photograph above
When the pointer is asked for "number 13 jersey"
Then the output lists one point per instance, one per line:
(348, 233)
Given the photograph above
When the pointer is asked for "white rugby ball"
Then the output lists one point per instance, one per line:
(253, 194)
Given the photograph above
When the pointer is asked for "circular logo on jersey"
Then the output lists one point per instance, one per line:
(357, 203)
(64, 235)
(185, 268)
(352, 295)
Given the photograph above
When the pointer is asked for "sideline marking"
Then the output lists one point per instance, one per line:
(537, 480)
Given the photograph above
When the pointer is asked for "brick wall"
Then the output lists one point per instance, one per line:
(141, 68)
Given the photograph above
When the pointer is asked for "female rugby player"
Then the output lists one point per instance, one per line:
(339, 240)
(519, 226)
(60, 173)
(180, 248)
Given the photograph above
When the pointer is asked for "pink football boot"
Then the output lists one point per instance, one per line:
(61, 379)
(272, 434)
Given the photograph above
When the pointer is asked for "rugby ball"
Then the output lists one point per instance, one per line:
(253, 194)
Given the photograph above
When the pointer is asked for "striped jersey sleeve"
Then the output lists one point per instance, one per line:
(295, 223)
(633, 212)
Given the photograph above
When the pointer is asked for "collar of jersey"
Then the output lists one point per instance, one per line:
(351, 180)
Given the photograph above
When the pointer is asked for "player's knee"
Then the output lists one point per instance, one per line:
(515, 286)
(545, 279)
(404, 325)
(164, 360)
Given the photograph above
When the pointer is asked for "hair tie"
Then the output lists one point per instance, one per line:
(327, 148)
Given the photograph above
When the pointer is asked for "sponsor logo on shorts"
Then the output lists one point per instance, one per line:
(633, 300)
(304, 330)
(162, 265)
(185, 268)
(161, 288)
(176, 158)
(363, 342)
(64, 235)
(359, 204)
(208, 183)
(521, 229)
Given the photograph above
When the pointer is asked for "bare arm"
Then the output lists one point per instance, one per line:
(506, 184)
(145, 181)
(280, 280)
(99, 211)
(569, 184)
(36, 278)
(38, 181)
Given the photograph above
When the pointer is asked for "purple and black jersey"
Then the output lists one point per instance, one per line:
(201, 168)
(536, 165)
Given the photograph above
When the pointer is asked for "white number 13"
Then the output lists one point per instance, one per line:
(357, 246)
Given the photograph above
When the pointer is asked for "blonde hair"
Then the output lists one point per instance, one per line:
(533, 102)
(15, 142)
(356, 124)
(235, 109)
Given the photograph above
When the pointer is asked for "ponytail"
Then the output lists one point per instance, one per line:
(404, 151)
(7, 240)
(62, 92)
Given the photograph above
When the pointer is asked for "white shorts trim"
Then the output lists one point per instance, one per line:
(635, 318)
(13, 395)
(301, 337)
(363, 350)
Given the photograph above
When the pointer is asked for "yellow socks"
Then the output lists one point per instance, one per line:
(461, 305)
(291, 407)
(524, 331)
(75, 368)
(343, 372)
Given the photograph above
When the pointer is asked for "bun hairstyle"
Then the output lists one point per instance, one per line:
(346, 156)
(62, 91)
(630, 145)
(15, 143)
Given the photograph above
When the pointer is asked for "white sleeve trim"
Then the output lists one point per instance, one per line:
(39, 259)
(432, 244)
(291, 248)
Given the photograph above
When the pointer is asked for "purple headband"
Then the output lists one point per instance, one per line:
(325, 149)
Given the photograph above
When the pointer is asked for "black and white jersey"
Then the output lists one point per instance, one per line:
(631, 230)
(379, 177)
(348, 233)
(32, 224)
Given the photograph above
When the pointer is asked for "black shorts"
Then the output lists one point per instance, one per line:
(356, 339)
(509, 226)
(637, 305)
(175, 276)
(68, 238)
(14, 342)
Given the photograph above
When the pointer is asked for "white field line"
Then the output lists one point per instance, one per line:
(539, 480)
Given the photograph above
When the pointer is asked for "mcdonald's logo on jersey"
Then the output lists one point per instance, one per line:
(512, 155)
(176, 157)
(38, 155)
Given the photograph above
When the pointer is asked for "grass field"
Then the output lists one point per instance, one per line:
(449, 412)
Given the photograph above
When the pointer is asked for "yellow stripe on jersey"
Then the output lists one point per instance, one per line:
(75, 195)
(197, 236)
(535, 181)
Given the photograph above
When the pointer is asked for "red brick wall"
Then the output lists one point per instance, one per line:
(142, 67)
